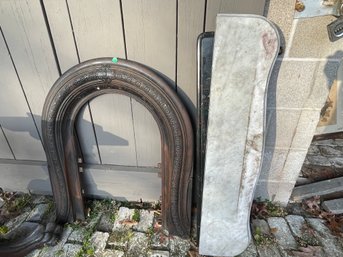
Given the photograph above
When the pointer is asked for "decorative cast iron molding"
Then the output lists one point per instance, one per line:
(100, 76)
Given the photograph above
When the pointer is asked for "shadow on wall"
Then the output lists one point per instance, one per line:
(43, 186)
(271, 162)
(16, 124)
(92, 191)
(330, 68)
(40, 186)
(270, 133)
(330, 115)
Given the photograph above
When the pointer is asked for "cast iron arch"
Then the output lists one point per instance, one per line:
(100, 76)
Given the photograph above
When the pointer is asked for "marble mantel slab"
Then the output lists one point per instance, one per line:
(244, 53)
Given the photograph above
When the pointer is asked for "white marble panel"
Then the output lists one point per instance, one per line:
(245, 50)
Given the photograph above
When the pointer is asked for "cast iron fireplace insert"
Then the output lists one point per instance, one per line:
(70, 92)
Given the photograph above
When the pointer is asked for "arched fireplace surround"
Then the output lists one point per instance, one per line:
(101, 76)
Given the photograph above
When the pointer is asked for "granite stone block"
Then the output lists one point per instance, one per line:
(178, 247)
(334, 206)
(331, 245)
(281, 12)
(70, 250)
(145, 222)
(113, 253)
(273, 163)
(38, 213)
(261, 225)
(319, 160)
(138, 245)
(99, 241)
(157, 253)
(292, 166)
(296, 224)
(336, 162)
(282, 233)
(251, 251)
(274, 190)
(282, 125)
(159, 241)
(124, 214)
(290, 84)
(305, 129)
(311, 39)
(328, 151)
(268, 251)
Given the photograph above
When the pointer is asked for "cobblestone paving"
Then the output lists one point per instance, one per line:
(133, 232)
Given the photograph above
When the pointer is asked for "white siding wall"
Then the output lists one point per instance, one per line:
(39, 40)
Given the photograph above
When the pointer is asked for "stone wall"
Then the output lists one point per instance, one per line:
(300, 82)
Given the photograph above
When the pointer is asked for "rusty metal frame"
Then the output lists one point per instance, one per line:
(27, 237)
(62, 105)
(101, 76)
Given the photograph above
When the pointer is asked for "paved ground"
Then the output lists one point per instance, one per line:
(123, 229)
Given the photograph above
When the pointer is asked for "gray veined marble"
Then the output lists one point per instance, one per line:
(245, 50)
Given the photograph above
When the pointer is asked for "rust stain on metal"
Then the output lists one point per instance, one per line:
(299, 6)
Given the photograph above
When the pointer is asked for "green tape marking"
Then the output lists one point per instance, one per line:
(115, 60)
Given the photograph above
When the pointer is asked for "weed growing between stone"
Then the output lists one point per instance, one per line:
(95, 207)
(87, 248)
(266, 208)
(120, 238)
(261, 238)
(306, 241)
(14, 203)
(3, 230)
(138, 231)
(136, 216)
(18, 202)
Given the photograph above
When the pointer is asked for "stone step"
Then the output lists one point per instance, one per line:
(335, 206)
(321, 188)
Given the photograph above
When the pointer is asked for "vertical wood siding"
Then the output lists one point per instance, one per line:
(15, 116)
(25, 31)
(231, 6)
(150, 33)
(62, 33)
(40, 39)
(190, 25)
(114, 129)
(5, 150)
(148, 143)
